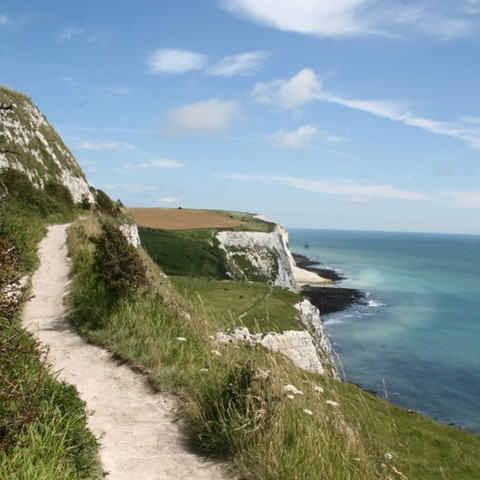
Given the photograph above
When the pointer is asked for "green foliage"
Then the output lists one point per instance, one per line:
(105, 205)
(117, 264)
(260, 307)
(233, 395)
(192, 253)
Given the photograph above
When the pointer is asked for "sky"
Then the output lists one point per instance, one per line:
(337, 114)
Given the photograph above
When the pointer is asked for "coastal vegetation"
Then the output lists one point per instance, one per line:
(243, 403)
(43, 433)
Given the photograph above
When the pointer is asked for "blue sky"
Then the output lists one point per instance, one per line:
(352, 114)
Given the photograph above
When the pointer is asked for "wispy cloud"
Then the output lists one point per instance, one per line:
(464, 199)
(140, 188)
(105, 145)
(333, 18)
(304, 136)
(167, 200)
(93, 38)
(4, 20)
(349, 188)
(175, 61)
(306, 87)
(362, 192)
(242, 64)
(155, 164)
(68, 33)
(202, 118)
(110, 89)
(172, 60)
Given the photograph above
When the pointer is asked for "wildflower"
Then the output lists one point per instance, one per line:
(291, 396)
(216, 352)
(181, 339)
(203, 370)
(332, 403)
(211, 337)
(389, 456)
(292, 389)
(308, 412)
(318, 389)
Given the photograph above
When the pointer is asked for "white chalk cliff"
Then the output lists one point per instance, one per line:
(29, 143)
(259, 255)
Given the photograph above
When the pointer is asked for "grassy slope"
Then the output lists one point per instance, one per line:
(195, 253)
(234, 402)
(262, 308)
(43, 433)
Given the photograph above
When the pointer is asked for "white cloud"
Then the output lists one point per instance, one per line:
(339, 187)
(69, 32)
(172, 60)
(242, 64)
(110, 89)
(440, 19)
(163, 200)
(105, 145)
(155, 164)
(306, 86)
(139, 188)
(4, 19)
(206, 117)
(302, 137)
(290, 94)
(464, 199)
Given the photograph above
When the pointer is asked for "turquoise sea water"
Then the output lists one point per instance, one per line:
(419, 337)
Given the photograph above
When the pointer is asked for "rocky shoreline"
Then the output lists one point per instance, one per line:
(328, 299)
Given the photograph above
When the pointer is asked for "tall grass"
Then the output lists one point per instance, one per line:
(43, 422)
(234, 401)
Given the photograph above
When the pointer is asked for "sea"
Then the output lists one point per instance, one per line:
(416, 340)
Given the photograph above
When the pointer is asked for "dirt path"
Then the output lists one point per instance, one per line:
(139, 439)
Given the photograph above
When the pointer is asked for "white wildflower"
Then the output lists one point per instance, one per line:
(318, 389)
(216, 352)
(291, 396)
(292, 389)
(203, 370)
(389, 456)
(308, 412)
(181, 339)
(331, 403)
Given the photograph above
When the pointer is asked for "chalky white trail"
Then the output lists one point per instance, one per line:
(139, 438)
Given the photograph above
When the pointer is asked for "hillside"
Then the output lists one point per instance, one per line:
(180, 318)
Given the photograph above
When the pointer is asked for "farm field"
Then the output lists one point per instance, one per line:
(182, 219)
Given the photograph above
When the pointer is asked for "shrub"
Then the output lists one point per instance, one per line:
(60, 192)
(106, 205)
(117, 263)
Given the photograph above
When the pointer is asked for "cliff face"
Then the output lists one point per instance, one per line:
(29, 143)
(266, 257)
(259, 256)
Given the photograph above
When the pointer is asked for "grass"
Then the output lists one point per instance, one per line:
(15, 152)
(43, 431)
(258, 306)
(191, 253)
(234, 402)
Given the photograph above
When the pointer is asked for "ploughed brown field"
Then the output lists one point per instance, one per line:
(181, 219)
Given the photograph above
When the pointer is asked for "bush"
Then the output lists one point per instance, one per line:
(106, 205)
(60, 192)
(117, 263)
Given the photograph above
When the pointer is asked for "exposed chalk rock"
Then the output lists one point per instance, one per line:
(29, 143)
(259, 256)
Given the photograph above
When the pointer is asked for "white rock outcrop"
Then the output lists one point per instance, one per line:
(130, 232)
(309, 349)
(30, 144)
(267, 254)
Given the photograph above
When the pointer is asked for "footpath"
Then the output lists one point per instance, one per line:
(135, 427)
